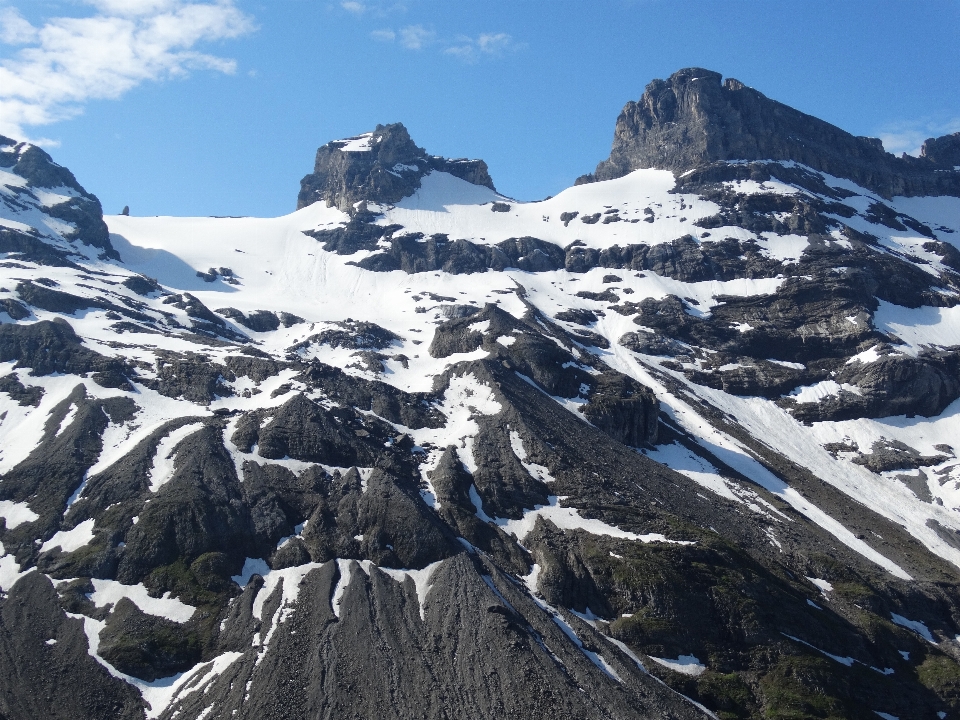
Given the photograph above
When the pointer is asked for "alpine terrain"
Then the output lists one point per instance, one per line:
(679, 442)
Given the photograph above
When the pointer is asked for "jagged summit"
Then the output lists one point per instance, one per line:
(943, 151)
(37, 184)
(36, 166)
(695, 118)
(382, 166)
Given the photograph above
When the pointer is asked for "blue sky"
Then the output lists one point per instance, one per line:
(216, 107)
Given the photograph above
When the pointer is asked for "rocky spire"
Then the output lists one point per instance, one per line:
(382, 166)
(695, 118)
(944, 151)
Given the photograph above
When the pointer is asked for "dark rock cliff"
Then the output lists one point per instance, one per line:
(694, 119)
(383, 167)
(943, 151)
(83, 210)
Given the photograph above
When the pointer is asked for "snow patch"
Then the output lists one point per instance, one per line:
(822, 390)
(10, 572)
(918, 627)
(783, 247)
(70, 540)
(421, 580)
(919, 327)
(67, 419)
(251, 567)
(346, 571)
(539, 472)
(163, 459)
(568, 518)
(16, 513)
(684, 664)
(109, 592)
(360, 143)
(684, 461)
(866, 357)
(824, 586)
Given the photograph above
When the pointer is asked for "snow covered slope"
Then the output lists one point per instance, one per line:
(673, 444)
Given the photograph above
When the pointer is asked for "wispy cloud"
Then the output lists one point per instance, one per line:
(357, 8)
(415, 37)
(472, 49)
(14, 28)
(463, 47)
(908, 136)
(373, 8)
(67, 61)
(411, 37)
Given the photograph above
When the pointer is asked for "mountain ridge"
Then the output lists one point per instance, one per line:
(675, 444)
(693, 118)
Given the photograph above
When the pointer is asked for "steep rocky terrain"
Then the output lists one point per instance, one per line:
(679, 442)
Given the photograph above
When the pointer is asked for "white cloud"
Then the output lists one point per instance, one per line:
(468, 49)
(133, 7)
(14, 28)
(486, 44)
(373, 8)
(493, 43)
(384, 35)
(467, 52)
(907, 137)
(414, 37)
(69, 61)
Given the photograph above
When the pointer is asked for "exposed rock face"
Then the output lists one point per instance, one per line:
(76, 206)
(52, 346)
(624, 409)
(379, 167)
(693, 119)
(944, 151)
(40, 670)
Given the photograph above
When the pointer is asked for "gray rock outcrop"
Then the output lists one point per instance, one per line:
(693, 119)
(943, 150)
(83, 210)
(381, 167)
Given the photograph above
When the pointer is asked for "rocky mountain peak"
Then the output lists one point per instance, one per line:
(35, 166)
(382, 166)
(695, 118)
(944, 151)
(79, 213)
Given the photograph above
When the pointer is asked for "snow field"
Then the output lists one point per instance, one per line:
(447, 205)
(311, 289)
